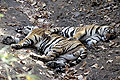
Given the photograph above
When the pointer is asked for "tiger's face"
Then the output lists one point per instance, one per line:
(108, 33)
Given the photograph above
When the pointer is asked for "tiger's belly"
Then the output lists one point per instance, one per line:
(69, 57)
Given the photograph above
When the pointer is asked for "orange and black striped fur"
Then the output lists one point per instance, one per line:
(57, 49)
(91, 34)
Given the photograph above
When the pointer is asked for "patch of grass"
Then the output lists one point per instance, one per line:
(1, 15)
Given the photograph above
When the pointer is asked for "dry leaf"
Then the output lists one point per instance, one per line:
(50, 72)
(102, 68)
(80, 77)
(83, 65)
(87, 72)
(95, 66)
(117, 58)
(28, 51)
(109, 61)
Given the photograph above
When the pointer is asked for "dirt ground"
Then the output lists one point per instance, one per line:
(101, 64)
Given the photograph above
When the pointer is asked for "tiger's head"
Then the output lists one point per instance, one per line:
(108, 33)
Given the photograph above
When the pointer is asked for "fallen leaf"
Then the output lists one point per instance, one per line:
(109, 61)
(50, 72)
(83, 65)
(95, 66)
(28, 51)
(87, 72)
(80, 77)
(102, 68)
(117, 58)
(103, 47)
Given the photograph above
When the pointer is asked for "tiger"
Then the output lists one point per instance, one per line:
(89, 34)
(57, 50)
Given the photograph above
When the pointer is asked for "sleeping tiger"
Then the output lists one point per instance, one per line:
(90, 34)
(57, 50)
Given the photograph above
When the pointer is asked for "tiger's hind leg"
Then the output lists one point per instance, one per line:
(51, 55)
(81, 54)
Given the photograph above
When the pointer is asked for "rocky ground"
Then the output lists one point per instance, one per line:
(101, 64)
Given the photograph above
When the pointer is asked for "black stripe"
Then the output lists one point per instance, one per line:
(92, 30)
(71, 34)
(45, 41)
(56, 42)
(39, 39)
(30, 41)
(74, 47)
(83, 35)
(101, 34)
(47, 45)
(66, 33)
(99, 37)
(97, 30)
(36, 38)
(87, 29)
(56, 52)
(91, 39)
(94, 39)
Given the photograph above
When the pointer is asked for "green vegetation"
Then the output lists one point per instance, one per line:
(8, 59)
(1, 15)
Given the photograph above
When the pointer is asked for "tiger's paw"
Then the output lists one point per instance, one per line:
(55, 64)
(77, 61)
(8, 40)
(16, 46)
(91, 48)
(58, 67)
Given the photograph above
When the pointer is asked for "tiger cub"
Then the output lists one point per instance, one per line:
(57, 49)
(91, 34)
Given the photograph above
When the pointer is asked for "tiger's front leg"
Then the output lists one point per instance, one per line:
(11, 40)
(26, 42)
(19, 46)
(92, 41)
